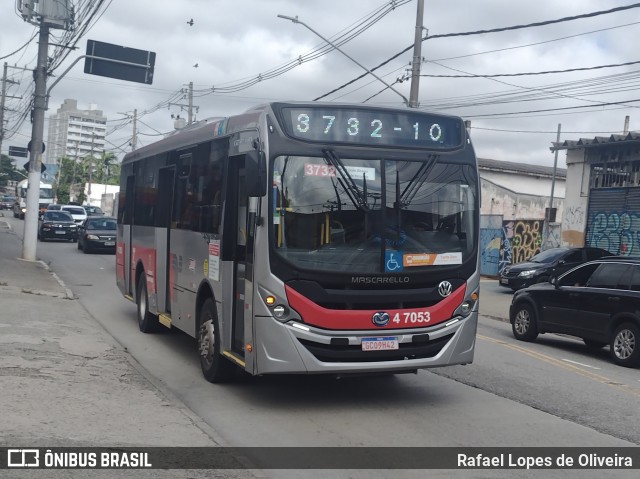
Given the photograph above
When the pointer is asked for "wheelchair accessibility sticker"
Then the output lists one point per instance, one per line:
(392, 261)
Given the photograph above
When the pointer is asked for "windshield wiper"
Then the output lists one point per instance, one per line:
(357, 197)
(416, 182)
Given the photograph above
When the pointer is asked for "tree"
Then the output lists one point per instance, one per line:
(8, 171)
(104, 169)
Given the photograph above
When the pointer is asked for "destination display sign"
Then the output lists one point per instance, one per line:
(373, 127)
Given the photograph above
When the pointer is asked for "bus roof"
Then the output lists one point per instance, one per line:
(209, 128)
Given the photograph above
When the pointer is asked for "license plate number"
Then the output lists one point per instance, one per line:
(61, 232)
(380, 344)
(504, 280)
(109, 243)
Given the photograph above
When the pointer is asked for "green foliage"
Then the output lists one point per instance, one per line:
(8, 171)
(104, 169)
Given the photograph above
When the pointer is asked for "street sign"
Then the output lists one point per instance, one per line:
(18, 151)
(122, 63)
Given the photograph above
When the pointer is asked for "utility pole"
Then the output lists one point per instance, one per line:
(36, 13)
(73, 173)
(134, 139)
(2, 101)
(4, 92)
(189, 106)
(190, 111)
(35, 154)
(417, 57)
(93, 138)
(547, 218)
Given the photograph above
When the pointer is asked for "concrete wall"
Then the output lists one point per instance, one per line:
(527, 184)
(574, 218)
(498, 200)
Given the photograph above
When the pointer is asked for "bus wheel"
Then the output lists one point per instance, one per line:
(147, 322)
(215, 367)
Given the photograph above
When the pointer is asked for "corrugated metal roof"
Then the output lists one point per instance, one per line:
(583, 143)
(522, 168)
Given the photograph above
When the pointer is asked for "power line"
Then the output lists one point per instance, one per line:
(497, 75)
(22, 47)
(478, 32)
(546, 132)
(555, 109)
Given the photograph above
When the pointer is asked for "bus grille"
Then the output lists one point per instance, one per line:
(369, 299)
(330, 353)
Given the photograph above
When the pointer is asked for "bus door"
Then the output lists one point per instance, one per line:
(237, 246)
(127, 233)
(164, 210)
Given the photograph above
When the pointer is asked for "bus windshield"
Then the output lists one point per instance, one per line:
(371, 216)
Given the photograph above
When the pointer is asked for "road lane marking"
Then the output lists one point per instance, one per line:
(569, 367)
(580, 364)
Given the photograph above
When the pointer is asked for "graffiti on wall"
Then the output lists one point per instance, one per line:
(551, 237)
(490, 239)
(574, 218)
(618, 233)
(521, 239)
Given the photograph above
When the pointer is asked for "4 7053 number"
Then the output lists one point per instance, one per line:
(413, 317)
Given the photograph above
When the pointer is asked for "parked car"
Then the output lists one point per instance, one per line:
(541, 267)
(77, 212)
(598, 301)
(6, 202)
(93, 210)
(98, 233)
(57, 225)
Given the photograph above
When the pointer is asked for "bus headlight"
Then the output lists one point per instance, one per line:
(280, 311)
(467, 305)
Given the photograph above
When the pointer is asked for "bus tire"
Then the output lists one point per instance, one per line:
(215, 367)
(147, 322)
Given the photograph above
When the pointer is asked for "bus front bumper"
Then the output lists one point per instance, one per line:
(298, 348)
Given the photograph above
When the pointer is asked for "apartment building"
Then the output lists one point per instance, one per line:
(74, 133)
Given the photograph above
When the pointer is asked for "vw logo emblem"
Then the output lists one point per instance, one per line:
(380, 319)
(444, 288)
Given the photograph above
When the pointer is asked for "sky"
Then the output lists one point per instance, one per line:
(241, 42)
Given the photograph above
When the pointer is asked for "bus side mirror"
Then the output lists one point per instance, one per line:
(256, 173)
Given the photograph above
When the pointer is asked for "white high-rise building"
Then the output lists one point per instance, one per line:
(74, 133)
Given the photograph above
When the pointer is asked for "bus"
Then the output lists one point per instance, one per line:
(20, 204)
(307, 238)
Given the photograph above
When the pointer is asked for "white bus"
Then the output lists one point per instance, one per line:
(20, 205)
(307, 238)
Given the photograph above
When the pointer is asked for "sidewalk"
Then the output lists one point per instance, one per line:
(64, 381)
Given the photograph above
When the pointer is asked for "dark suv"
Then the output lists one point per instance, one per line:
(547, 263)
(598, 301)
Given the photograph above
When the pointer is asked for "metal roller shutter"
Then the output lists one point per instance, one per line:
(613, 220)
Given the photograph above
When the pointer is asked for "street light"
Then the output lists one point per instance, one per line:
(295, 20)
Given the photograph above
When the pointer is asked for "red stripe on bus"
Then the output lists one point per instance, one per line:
(120, 261)
(148, 258)
(315, 315)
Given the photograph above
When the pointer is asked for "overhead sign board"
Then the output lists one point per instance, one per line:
(122, 63)
(18, 152)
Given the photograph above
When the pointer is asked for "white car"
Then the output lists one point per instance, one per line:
(77, 212)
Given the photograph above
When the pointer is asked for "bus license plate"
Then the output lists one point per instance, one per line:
(380, 344)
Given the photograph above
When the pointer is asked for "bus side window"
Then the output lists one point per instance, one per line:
(206, 182)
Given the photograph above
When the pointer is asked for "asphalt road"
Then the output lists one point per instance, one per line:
(550, 393)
